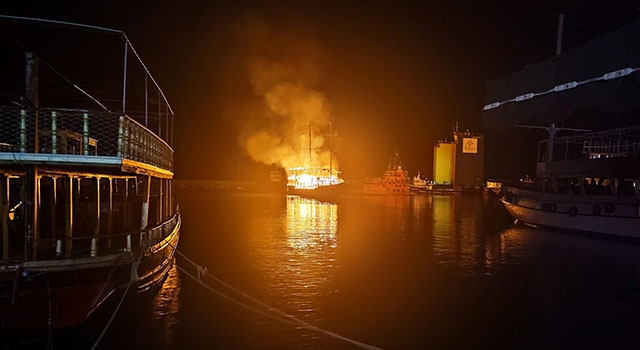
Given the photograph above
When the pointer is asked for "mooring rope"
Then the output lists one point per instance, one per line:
(284, 317)
(133, 278)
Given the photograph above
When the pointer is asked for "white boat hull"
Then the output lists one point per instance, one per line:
(598, 214)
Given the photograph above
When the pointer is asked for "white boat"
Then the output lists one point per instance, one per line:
(598, 192)
(419, 185)
(585, 181)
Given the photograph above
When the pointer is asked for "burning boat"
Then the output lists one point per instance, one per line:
(315, 181)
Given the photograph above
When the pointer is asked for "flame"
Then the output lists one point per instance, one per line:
(311, 178)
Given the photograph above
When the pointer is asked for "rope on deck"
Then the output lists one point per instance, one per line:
(279, 314)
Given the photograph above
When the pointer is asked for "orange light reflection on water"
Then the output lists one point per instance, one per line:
(311, 223)
(294, 256)
(166, 303)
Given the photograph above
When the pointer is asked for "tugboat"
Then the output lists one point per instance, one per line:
(87, 210)
(394, 180)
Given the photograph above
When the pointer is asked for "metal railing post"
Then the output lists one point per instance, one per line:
(23, 131)
(85, 134)
(54, 133)
(120, 136)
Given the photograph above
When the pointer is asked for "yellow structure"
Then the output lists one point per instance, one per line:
(444, 162)
(459, 163)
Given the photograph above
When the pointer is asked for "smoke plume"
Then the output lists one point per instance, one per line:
(283, 69)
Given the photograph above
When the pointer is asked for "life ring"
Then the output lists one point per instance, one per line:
(597, 209)
(609, 208)
(573, 211)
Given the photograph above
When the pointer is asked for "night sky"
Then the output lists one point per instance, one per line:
(392, 74)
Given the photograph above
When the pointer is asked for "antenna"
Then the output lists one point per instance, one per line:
(310, 145)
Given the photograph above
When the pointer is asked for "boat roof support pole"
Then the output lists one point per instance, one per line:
(124, 77)
(146, 101)
(159, 116)
(68, 219)
(4, 198)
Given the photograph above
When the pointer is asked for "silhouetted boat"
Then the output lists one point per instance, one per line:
(87, 209)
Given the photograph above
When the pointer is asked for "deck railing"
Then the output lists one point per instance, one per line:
(83, 246)
(81, 132)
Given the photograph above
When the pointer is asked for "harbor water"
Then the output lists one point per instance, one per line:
(392, 272)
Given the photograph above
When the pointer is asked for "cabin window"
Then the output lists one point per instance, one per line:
(538, 184)
(568, 185)
(627, 185)
(598, 185)
(548, 185)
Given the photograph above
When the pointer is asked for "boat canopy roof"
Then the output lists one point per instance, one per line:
(602, 73)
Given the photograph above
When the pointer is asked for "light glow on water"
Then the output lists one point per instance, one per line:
(311, 223)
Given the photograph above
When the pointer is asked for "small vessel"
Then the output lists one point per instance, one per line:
(315, 181)
(87, 211)
(588, 180)
(394, 180)
(598, 191)
(419, 185)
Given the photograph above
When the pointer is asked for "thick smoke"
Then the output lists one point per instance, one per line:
(283, 69)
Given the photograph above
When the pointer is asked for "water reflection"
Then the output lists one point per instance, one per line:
(294, 256)
(406, 272)
(311, 223)
(166, 304)
(460, 228)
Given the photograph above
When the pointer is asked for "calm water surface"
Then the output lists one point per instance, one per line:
(395, 272)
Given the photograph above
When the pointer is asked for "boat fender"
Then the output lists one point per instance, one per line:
(609, 208)
(573, 211)
(552, 207)
(597, 209)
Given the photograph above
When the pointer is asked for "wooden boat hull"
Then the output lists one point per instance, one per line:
(326, 193)
(65, 292)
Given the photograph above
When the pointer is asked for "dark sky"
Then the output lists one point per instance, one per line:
(394, 73)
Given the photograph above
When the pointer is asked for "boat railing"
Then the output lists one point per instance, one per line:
(82, 133)
(622, 142)
(603, 149)
(104, 244)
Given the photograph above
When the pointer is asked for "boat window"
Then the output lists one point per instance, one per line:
(548, 185)
(598, 185)
(605, 186)
(537, 184)
(628, 185)
(568, 185)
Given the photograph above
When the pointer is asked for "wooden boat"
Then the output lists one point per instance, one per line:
(86, 204)
(314, 180)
